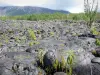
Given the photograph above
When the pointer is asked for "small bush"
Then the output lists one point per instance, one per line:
(90, 10)
(40, 54)
(75, 17)
(32, 34)
(94, 52)
(33, 43)
(65, 65)
(51, 33)
(1, 44)
(94, 31)
(97, 42)
(55, 64)
(70, 61)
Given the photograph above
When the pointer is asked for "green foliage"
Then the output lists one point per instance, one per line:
(70, 61)
(59, 65)
(55, 64)
(0, 44)
(75, 17)
(33, 43)
(6, 40)
(38, 32)
(48, 70)
(17, 39)
(47, 16)
(36, 17)
(32, 34)
(97, 42)
(90, 10)
(71, 56)
(63, 63)
(51, 33)
(94, 52)
(41, 53)
(94, 31)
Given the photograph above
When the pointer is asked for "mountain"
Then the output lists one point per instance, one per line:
(22, 10)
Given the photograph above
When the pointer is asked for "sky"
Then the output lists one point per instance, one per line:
(74, 6)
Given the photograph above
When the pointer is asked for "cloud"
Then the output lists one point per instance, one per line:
(25, 2)
(74, 6)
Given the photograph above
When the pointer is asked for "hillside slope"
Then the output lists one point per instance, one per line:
(22, 10)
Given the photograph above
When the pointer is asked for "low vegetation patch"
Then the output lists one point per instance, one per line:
(32, 34)
(47, 16)
(65, 65)
(97, 42)
(94, 31)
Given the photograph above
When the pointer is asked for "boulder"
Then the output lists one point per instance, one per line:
(83, 64)
(96, 66)
(49, 58)
(22, 57)
(96, 60)
(96, 52)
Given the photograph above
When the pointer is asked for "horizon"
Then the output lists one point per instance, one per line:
(73, 6)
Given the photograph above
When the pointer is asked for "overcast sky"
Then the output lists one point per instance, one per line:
(74, 6)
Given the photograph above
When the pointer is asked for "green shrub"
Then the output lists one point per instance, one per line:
(75, 17)
(33, 43)
(65, 65)
(55, 64)
(97, 42)
(94, 31)
(38, 32)
(32, 34)
(48, 16)
(17, 39)
(94, 52)
(59, 65)
(90, 10)
(51, 33)
(1, 44)
(40, 54)
(70, 61)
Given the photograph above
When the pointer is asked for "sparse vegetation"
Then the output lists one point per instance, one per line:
(17, 39)
(65, 65)
(33, 43)
(94, 52)
(56, 64)
(41, 39)
(32, 34)
(36, 17)
(70, 61)
(97, 42)
(94, 31)
(51, 33)
(90, 10)
(0, 44)
(58, 16)
(41, 53)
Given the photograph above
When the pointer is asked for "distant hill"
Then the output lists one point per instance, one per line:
(23, 10)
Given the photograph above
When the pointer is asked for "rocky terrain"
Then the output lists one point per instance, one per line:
(30, 47)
